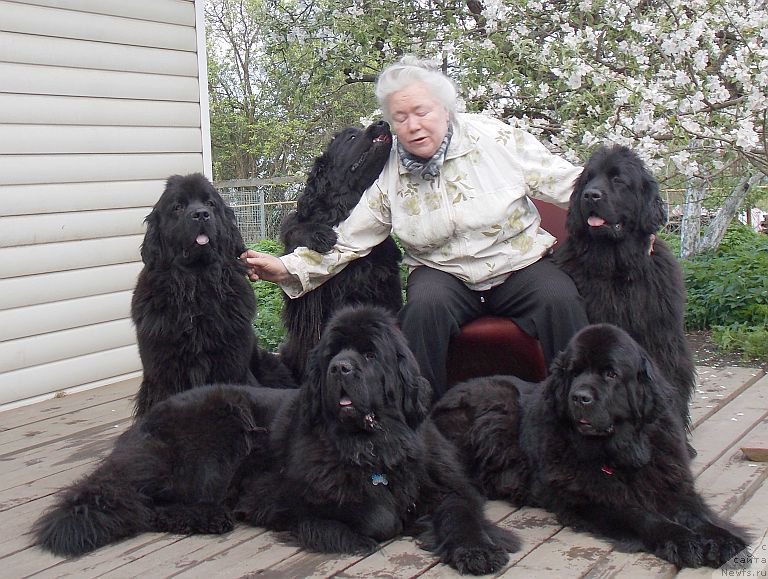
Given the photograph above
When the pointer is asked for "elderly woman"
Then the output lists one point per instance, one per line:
(455, 191)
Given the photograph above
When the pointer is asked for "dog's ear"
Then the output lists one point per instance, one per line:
(642, 399)
(318, 183)
(154, 249)
(230, 238)
(416, 390)
(311, 396)
(557, 384)
(653, 211)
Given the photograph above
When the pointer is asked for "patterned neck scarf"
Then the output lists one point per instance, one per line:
(427, 169)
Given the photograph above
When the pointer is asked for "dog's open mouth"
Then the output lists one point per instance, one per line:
(586, 428)
(202, 239)
(595, 221)
(382, 139)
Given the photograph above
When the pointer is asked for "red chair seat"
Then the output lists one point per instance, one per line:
(493, 345)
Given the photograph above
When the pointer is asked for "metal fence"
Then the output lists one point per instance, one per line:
(260, 204)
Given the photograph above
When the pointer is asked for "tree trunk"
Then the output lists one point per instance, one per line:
(716, 229)
(690, 224)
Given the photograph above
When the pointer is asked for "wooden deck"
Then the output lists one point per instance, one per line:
(48, 445)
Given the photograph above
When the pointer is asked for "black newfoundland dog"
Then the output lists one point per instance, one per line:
(353, 462)
(350, 164)
(171, 471)
(626, 275)
(192, 306)
(599, 443)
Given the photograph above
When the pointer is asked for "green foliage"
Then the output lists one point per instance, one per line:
(728, 292)
(269, 303)
(751, 341)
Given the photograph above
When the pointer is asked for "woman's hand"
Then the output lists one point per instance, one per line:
(265, 266)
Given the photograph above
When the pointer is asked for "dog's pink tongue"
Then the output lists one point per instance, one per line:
(202, 239)
(595, 221)
(345, 401)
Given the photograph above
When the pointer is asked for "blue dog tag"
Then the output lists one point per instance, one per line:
(379, 479)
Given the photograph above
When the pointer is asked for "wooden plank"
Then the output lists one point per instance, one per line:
(46, 21)
(169, 11)
(79, 312)
(73, 110)
(242, 551)
(67, 139)
(730, 423)
(51, 51)
(718, 386)
(66, 285)
(732, 480)
(32, 436)
(75, 226)
(567, 553)
(69, 373)
(34, 560)
(51, 80)
(756, 448)
(56, 407)
(34, 169)
(149, 555)
(78, 449)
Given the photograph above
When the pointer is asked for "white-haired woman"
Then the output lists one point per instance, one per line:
(456, 193)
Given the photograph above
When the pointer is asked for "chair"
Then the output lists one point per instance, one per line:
(493, 345)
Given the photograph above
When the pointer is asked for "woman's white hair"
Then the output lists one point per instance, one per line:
(409, 70)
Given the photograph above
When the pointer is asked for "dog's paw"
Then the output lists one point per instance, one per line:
(218, 524)
(323, 240)
(684, 548)
(478, 559)
(723, 548)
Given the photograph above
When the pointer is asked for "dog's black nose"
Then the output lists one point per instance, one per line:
(592, 194)
(582, 397)
(341, 367)
(201, 215)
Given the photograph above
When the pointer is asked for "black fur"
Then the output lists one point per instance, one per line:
(354, 463)
(350, 164)
(599, 443)
(192, 306)
(626, 277)
(171, 471)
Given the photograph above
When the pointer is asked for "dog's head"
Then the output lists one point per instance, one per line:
(605, 386)
(615, 197)
(190, 224)
(349, 165)
(362, 374)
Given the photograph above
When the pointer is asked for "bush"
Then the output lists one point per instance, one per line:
(728, 292)
(269, 303)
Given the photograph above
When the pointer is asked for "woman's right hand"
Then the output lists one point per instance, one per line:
(265, 266)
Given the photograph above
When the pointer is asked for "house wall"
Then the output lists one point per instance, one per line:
(100, 101)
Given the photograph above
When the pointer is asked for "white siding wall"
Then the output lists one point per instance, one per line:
(100, 101)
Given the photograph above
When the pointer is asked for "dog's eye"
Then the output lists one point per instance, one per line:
(370, 355)
(611, 374)
(351, 137)
(618, 181)
(210, 203)
(178, 207)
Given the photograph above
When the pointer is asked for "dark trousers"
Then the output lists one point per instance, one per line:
(540, 299)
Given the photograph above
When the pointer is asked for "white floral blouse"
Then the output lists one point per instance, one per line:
(474, 221)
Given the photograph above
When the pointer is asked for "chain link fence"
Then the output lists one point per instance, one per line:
(260, 205)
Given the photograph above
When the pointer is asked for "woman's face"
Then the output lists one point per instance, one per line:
(420, 121)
